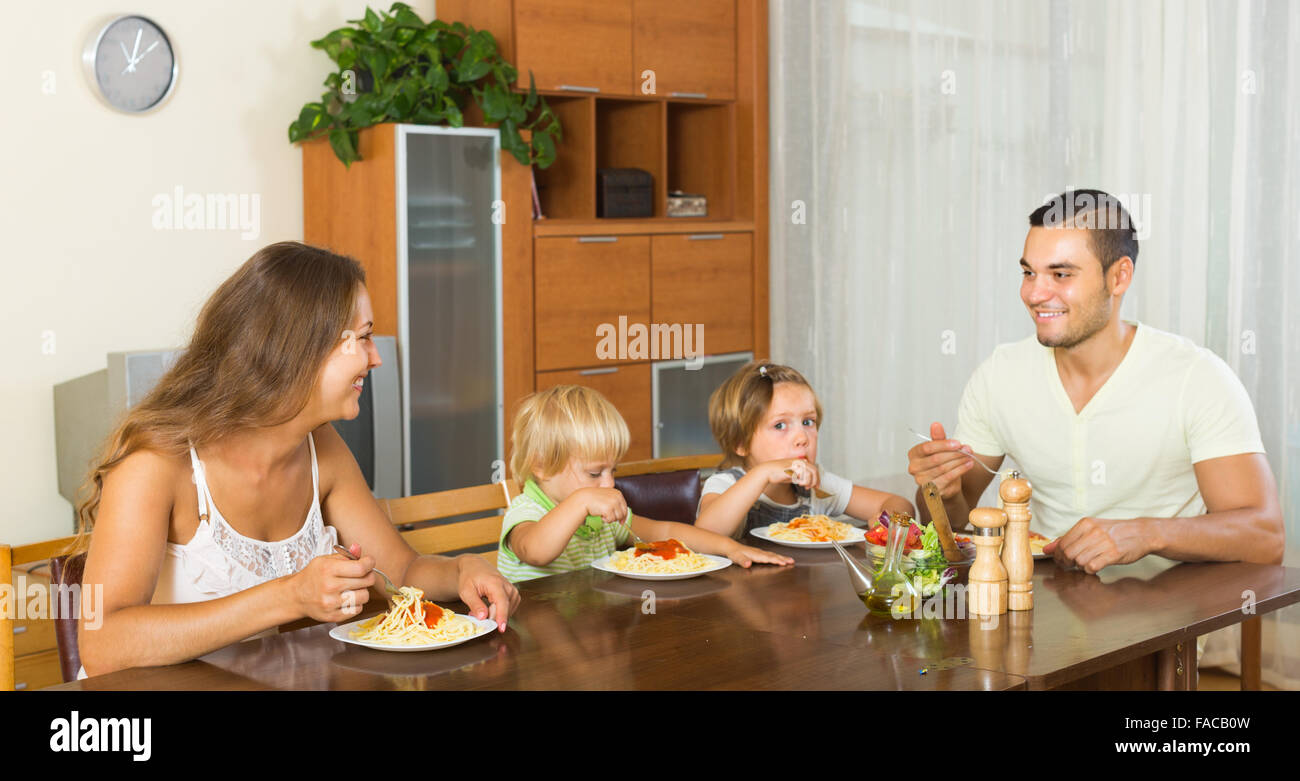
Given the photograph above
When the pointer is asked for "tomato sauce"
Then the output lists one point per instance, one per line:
(432, 614)
(665, 549)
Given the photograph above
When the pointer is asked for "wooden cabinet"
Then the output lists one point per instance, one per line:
(36, 671)
(703, 130)
(628, 388)
(36, 649)
(570, 44)
(583, 283)
(689, 44)
(606, 46)
(706, 278)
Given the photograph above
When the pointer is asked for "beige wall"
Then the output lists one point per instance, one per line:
(81, 255)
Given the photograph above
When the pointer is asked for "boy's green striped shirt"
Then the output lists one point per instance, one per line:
(578, 554)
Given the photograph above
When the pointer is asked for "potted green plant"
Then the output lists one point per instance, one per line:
(395, 67)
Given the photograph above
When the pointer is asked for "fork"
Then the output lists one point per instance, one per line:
(973, 458)
(636, 537)
(387, 583)
(820, 493)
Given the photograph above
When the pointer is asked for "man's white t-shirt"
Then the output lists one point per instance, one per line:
(1129, 452)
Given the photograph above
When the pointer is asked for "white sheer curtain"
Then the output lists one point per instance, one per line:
(911, 139)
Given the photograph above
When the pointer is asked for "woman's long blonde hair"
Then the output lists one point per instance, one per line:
(253, 361)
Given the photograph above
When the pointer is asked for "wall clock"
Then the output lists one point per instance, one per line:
(131, 64)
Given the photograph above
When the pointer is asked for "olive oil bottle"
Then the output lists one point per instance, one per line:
(893, 593)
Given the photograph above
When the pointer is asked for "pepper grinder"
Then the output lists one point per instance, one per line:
(1016, 555)
(986, 587)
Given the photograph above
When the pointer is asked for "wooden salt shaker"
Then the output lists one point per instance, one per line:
(1016, 554)
(986, 588)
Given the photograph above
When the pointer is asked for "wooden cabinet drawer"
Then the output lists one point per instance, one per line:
(581, 285)
(34, 635)
(627, 388)
(36, 671)
(689, 44)
(575, 43)
(706, 279)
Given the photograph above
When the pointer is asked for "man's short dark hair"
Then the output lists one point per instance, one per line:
(1110, 228)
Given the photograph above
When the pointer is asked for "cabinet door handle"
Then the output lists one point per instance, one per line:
(699, 95)
(597, 239)
(18, 630)
(593, 372)
(19, 686)
(577, 88)
(704, 236)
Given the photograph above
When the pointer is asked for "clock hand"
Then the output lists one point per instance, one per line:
(138, 32)
(146, 51)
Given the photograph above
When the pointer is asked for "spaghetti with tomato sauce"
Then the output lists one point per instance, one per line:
(810, 528)
(413, 621)
(666, 557)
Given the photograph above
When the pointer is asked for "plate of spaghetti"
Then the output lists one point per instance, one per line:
(412, 624)
(809, 531)
(665, 560)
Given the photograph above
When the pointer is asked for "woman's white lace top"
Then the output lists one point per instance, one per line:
(219, 561)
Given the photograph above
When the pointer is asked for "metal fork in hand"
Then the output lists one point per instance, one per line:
(820, 493)
(387, 583)
(924, 438)
(635, 537)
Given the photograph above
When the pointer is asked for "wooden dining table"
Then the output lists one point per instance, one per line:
(798, 627)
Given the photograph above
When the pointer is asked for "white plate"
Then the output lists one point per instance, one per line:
(719, 562)
(856, 535)
(344, 631)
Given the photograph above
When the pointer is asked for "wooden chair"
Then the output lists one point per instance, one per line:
(11, 556)
(414, 517)
(677, 463)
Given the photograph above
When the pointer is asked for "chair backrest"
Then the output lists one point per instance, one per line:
(674, 464)
(67, 571)
(416, 517)
(11, 556)
(665, 489)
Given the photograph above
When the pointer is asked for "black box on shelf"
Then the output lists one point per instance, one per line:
(624, 192)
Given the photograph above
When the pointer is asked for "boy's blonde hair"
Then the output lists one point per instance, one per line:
(738, 405)
(559, 423)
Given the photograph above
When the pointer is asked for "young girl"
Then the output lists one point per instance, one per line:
(766, 418)
(567, 440)
(220, 497)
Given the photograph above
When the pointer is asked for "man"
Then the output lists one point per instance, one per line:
(1136, 441)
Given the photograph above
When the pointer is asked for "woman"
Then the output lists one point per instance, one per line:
(198, 505)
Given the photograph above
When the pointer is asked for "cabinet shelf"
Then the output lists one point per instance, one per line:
(646, 225)
(659, 97)
(683, 144)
